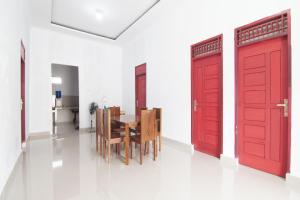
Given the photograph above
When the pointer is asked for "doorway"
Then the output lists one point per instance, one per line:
(263, 83)
(65, 99)
(207, 88)
(140, 88)
(23, 82)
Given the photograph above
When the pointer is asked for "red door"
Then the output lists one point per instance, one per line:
(262, 112)
(140, 88)
(207, 104)
(23, 94)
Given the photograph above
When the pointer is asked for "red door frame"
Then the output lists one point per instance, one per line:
(23, 94)
(140, 70)
(288, 35)
(221, 82)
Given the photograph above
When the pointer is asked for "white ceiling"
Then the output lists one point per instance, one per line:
(117, 15)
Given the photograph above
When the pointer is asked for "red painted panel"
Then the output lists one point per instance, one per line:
(207, 104)
(262, 84)
(256, 132)
(140, 88)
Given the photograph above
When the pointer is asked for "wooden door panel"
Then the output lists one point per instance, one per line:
(262, 83)
(141, 92)
(140, 88)
(207, 94)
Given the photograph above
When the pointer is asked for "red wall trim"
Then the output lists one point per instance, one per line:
(288, 35)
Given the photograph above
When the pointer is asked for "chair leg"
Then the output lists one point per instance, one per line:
(104, 149)
(109, 151)
(156, 153)
(130, 147)
(148, 147)
(141, 153)
(154, 149)
(97, 142)
(101, 145)
(160, 140)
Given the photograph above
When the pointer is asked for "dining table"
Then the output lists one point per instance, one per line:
(128, 122)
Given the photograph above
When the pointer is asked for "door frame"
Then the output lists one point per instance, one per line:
(140, 70)
(220, 37)
(23, 75)
(236, 48)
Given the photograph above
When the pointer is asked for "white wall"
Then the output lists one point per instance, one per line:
(99, 66)
(14, 25)
(163, 38)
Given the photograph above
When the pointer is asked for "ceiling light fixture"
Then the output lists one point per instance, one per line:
(99, 14)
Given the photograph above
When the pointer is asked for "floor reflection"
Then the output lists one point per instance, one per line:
(67, 167)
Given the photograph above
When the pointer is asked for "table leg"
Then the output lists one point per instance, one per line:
(126, 144)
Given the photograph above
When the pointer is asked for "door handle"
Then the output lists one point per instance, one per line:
(21, 103)
(195, 105)
(285, 106)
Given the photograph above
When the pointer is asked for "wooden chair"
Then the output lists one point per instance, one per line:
(99, 130)
(109, 137)
(138, 127)
(115, 111)
(146, 134)
(158, 126)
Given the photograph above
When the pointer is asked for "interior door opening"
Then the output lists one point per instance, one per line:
(207, 101)
(65, 99)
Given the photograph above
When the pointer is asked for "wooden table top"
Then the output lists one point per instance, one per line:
(131, 120)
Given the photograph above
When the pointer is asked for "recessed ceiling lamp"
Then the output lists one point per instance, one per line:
(99, 14)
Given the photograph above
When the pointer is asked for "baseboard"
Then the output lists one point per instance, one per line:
(39, 135)
(293, 181)
(228, 162)
(182, 146)
(10, 177)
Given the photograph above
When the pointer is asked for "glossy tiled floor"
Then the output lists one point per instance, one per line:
(68, 168)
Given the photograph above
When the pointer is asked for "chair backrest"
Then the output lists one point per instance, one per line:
(107, 124)
(158, 118)
(140, 110)
(115, 111)
(99, 121)
(147, 125)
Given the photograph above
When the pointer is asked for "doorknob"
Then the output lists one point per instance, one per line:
(285, 106)
(195, 105)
